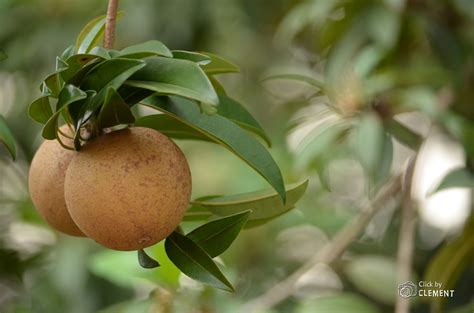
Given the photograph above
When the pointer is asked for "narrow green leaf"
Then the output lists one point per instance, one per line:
(217, 235)
(92, 33)
(175, 77)
(6, 137)
(448, 263)
(40, 110)
(264, 204)
(170, 127)
(404, 135)
(237, 113)
(218, 65)
(114, 111)
(68, 95)
(195, 57)
(146, 261)
(319, 85)
(146, 49)
(193, 261)
(75, 63)
(457, 178)
(226, 133)
(217, 85)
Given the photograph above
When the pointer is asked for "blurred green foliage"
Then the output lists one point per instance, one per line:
(375, 72)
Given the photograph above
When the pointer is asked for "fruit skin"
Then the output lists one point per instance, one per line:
(46, 184)
(128, 189)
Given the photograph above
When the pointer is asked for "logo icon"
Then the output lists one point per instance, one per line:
(407, 290)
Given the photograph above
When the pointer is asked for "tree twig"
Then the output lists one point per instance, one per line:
(110, 20)
(406, 238)
(329, 253)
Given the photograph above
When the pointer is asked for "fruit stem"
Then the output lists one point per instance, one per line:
(109, 35)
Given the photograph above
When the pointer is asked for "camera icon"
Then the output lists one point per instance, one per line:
(407, 290)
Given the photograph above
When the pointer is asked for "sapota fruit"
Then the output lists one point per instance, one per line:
(128, 189)
(46, 183)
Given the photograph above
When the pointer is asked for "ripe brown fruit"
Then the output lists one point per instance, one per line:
(128, 189)
(46, 184)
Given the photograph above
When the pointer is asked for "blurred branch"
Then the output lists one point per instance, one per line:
(406, 237)
(109, 35)
(329, 253)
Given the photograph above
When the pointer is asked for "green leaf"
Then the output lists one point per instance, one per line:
(40, 110)
(114, 111)
(319, 85)
(6, 137)
(237, 113)
(100, 52)
(75, 63)
(217, 235)
(111, 73)
(264, 204)
(146, 49)
(385, 165)
(404, 135)
(92, 33)
(226, 133)
(217, 86)
(54, 83)
(67, 53)
(146, 261)
(448, 263)
(195, 57)
(367, 142)
(457, 178)
(218, 65)
(193, 261)
(170, 127)
(69, 94)
(175, 77)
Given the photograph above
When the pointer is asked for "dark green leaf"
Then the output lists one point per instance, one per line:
(146, 261)
(217, 235)
(171, 127)
(6, 137)
(68, 95)
(193, 261)
(226, 133)
(146, 49)
(40, 110)
(236, 112)
(457, 178)
(175, 77)
(75, 63)
(404, 134)
(114, 111)
(218, 65)
(54, 83)
(92, 33)
(111, 73)
(264, 204)
(195, 57)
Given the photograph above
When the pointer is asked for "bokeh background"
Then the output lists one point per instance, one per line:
(411, 61)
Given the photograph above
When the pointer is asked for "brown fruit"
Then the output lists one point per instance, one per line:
(46, 184)
(128, 189)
